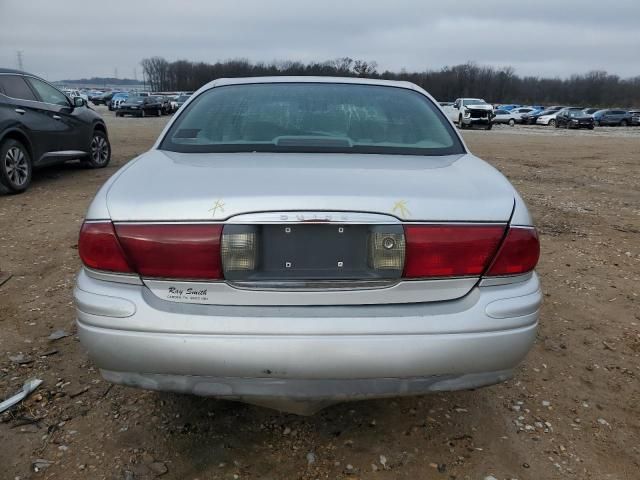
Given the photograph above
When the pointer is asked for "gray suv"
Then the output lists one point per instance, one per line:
(617, 118)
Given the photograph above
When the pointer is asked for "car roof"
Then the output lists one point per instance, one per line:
(309, 79)
(11, 70)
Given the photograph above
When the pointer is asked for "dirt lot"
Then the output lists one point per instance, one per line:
(573, 410)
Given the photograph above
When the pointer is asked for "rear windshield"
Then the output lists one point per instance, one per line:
(312, 117)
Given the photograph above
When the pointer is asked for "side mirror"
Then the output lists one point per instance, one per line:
(79, 102)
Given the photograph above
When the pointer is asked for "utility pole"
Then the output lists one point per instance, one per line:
(19, 58)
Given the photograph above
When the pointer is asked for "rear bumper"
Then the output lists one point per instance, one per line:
(303, 396)
(309, 354)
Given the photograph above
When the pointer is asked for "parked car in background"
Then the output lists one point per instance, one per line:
(40, 125)
(117, 100)
(612, 117)
(549, 117)
(574, 118)
(94, 94)
(635, 117)
(139, 106)
(173, 102)
(99, 99)
(467, 112)
(509, 107)
(590, 110)
(167, 108)
(254, 268)
(519, 111)
(532, 117)
(183, 98)
(505, 116)
(105, 98)
(73, 93)
(445, 104)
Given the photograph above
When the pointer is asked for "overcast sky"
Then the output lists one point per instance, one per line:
(85, 38)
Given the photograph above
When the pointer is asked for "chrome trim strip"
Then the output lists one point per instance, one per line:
(233, 221)
(312, 216)
(506, 280)
(131, 279)
(65, 153)
(311, 285)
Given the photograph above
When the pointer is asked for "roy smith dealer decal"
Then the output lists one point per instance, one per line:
(189, 294)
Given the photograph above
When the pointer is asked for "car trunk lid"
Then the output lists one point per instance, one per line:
(167, 186)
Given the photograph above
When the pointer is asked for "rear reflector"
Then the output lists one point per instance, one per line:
(518, 254)
(450, 250)
(180, 251)
(99, 248)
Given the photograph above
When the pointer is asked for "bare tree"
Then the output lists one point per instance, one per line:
(364, 68)
(596, 88)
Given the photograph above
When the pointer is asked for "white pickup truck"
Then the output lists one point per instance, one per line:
(470, 111)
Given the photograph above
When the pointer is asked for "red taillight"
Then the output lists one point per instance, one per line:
(184, 251)
(518, 254)
(450, 250)
(99, 248)
(193, 251)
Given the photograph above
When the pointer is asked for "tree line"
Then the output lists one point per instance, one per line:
(596, 88)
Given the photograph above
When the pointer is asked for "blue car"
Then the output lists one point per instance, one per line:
(117, 99)
(509, 107)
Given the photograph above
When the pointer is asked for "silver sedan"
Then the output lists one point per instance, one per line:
(295, 242)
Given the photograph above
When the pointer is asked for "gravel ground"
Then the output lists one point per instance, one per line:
(572, 411)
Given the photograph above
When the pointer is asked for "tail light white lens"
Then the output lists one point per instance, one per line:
(181, 251)
(518, 254)
(99, 248)
(386, 251)
(450, 250)
(239, 251)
